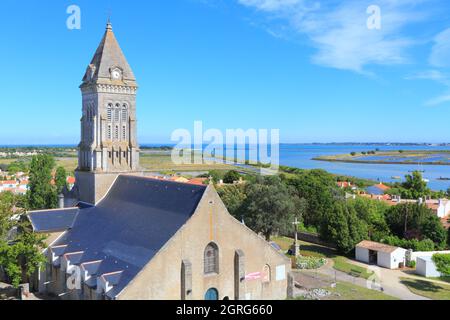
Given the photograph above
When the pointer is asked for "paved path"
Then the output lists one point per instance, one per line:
(387, 280)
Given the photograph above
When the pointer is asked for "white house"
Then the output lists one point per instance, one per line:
(426, 267)
(380, 254)
(443, 209)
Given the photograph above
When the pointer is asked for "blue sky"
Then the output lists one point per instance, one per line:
(309, 68)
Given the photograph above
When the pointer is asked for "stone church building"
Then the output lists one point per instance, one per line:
(126, 236)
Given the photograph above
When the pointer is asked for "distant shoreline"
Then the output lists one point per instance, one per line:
(436, 163)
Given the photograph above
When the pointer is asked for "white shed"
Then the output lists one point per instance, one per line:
(426, 267)
(380, 254)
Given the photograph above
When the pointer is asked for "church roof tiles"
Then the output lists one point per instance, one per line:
(128, 227)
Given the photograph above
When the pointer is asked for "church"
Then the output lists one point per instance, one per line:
(122, 236)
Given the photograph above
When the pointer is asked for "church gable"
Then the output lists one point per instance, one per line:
(213, 250)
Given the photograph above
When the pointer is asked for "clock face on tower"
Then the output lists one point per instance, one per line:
(116, 74)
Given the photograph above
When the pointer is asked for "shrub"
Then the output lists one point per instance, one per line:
(442, 262)
(310, 262)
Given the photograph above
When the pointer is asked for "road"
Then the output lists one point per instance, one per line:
(386, 280)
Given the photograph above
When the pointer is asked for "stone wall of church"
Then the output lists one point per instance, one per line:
(177, 271)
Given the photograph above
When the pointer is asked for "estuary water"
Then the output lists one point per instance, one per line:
(301, 155)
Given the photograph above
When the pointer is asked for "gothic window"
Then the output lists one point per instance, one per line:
(117, 113)
(116, 133)
(124, 113)
(211, 259)
(109, 133)
(109, 113)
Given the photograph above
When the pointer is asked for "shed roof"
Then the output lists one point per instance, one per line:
(376, 246)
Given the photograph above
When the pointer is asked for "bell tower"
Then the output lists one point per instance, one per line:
(108, 145)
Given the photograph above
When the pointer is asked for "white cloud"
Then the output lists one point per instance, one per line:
(434, 75)
(440, 53)
(438, 100)
(338, 30)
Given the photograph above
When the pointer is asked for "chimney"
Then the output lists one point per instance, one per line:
(61, 201)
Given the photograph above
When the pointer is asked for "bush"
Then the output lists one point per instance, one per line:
(442, 262)
(414, 244)
(411, 264)
(310, 262)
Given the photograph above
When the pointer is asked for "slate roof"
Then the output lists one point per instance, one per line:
(133, 222)
(109, 55)
(53, 220)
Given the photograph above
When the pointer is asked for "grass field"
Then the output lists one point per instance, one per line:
(348, 291)
(432, 290)
(161, 162)
(425, 157)
(341, 263)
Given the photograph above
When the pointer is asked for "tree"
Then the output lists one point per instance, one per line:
(342, 227)
(231, 176)
(20, 254)
(233, 196)
(60, 179)
(442, 262)
(415, 221)
(41, 195)
(416, 186)
(433, 229)
(319, 189)
(269, 206)
(373, 213)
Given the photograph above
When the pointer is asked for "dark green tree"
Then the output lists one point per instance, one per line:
(415, 221)
(60, 179)
(269, 206)
(20, 253)
(42, 194)
(342, 227)
(319, 189)
(231, 176)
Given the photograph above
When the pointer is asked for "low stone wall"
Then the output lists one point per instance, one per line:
(8, 292)
(312, 238)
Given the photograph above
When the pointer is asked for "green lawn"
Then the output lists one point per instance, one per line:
(432, 290)
(148, 161)
(341, 263)
(348, 291)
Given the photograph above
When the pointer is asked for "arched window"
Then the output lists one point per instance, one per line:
(124, 113)
(109, 113)
(116, 133)
(109, 137)
(211, 259)
(117, 113)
